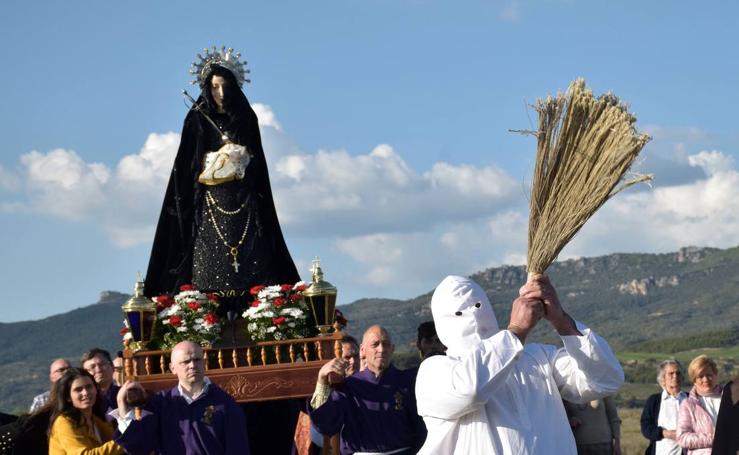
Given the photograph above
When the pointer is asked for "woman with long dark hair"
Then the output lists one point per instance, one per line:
(222, 237)
(77, 422)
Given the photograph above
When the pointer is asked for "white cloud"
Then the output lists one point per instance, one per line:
(399, 229)
(359, 194)
(704, 212)
(265, 116)
(62, 184)
(124, 202)
(712, 162)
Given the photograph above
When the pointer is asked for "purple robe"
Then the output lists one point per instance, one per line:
(109, 400)
(213, 424)
(373, 415)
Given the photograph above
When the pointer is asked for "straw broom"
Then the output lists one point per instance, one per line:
(585, 146)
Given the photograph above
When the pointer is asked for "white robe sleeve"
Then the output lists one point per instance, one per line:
(449, 388)
(586, 368)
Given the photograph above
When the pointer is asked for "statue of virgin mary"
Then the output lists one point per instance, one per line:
(220, 234)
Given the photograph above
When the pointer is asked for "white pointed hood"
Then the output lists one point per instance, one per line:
(463, 315)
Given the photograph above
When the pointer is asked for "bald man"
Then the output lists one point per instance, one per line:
(374, 409)
(56, 370)
(194, 417)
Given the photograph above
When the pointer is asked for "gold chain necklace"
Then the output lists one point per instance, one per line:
(232, 250)
(212, 202)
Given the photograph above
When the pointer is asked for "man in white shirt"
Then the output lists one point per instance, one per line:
(56, 370)
(492, 395)
(659, 417)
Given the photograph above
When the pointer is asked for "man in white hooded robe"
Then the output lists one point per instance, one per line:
(491, 394)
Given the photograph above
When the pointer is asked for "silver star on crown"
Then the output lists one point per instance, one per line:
(221, 57)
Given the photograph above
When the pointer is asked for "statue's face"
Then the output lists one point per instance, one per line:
(218, 90)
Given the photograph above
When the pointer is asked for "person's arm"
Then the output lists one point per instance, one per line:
(75, 442)
(615, 423)
(137, 436)
(449, 388)
(649, 427)
(586, 368)
(687, 436)
(326, 406)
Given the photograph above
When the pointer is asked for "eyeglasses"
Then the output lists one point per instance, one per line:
(97, 366)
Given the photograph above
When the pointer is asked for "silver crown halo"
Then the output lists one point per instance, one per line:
(226, 58)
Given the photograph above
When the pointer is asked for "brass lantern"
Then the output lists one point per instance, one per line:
(321, 296)
(141, 313)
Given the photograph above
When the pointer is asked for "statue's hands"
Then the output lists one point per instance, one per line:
(337, 366)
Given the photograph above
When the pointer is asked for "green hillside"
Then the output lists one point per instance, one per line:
(648, 306)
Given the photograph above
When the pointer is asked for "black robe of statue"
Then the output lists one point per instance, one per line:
(187, 249)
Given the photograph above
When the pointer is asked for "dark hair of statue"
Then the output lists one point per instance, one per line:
(234, 100)
(62, 397)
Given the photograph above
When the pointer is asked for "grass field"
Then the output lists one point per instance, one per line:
(632, 441)
(683, 357)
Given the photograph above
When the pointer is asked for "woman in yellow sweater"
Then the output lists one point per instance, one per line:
(77, 424)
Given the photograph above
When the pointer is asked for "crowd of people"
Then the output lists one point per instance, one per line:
(703, 420)
(478, 390)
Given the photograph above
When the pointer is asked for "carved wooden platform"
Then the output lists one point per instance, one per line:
(271, 370)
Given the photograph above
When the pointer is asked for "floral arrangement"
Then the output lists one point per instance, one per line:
(278, 312)
(189, 315)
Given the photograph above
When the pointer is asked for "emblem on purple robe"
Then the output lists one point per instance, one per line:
(208, 415)
(398, 401)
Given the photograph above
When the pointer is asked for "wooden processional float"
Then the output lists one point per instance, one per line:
(249, 371)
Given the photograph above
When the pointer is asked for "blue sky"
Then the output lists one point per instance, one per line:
(385, 124)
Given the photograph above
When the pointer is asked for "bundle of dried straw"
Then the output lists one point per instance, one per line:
(585, 146)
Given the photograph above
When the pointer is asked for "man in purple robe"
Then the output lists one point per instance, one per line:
(375, 409)
(195, 418)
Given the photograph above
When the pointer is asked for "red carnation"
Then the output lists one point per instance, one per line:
(296, 297)
(255, 303)
(187, 287)
(213, 297)
(123, 331)
(255, 290)
(286, 287)
(164, 301)
(278, 321)
(193, 306)
(175, 321)
(278, 302)
(300, 288)
(211, 319)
